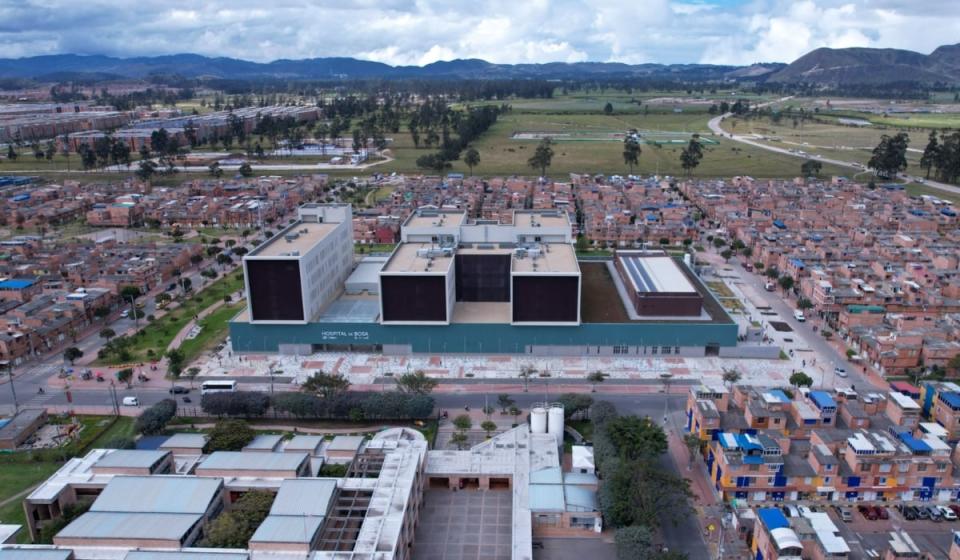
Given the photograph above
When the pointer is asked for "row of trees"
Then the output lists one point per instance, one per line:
(943, 156)
(637, 493)
(345, 405)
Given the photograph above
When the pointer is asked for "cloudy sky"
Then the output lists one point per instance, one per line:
(504, 31)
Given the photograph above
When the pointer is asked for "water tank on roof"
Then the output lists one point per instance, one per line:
(538, 420)
(555, 422)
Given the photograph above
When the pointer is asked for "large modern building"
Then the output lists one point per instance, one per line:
(459, 285)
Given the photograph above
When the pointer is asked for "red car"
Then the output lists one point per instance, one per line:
(882, 512)
(956, 509)
(868, 512)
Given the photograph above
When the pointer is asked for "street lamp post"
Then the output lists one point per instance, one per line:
(133, 309)
(666, 377)
(16, 405)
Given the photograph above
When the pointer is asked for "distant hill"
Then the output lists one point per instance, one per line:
(197, 66)
(872, 66)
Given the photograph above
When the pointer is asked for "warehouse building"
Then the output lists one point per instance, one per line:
(459, 285)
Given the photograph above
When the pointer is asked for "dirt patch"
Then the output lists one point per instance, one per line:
(599, 300)
(780, 326)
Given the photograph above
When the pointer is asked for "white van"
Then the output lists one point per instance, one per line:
(131, 401)
(798, 315)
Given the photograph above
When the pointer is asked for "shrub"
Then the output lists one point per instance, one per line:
(154, 419)
(229, 435)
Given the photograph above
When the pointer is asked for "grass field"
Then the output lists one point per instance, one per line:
(214, 330)
(158, 334)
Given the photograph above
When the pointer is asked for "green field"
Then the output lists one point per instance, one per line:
(214, 330)
(158, 334)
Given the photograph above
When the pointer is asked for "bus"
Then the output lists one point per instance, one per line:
(224, 386)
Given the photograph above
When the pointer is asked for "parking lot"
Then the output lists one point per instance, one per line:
(465, 525)
(865, 536)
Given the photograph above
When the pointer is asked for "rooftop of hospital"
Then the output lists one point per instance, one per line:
(295, 240)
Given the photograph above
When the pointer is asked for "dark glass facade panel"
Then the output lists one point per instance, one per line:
(543, 299)
(414, 298)
(275, 293)
(483, 277)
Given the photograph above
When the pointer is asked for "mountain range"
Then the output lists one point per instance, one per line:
(821, 66)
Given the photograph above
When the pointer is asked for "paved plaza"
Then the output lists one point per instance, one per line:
(464, 525)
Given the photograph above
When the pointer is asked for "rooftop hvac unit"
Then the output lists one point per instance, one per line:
(534, 253)
(423, 253)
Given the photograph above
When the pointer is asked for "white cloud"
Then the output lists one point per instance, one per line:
(506, 31)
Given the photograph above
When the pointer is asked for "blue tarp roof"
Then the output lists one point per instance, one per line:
(948, 212)
(780, 224)
(915, 445)
(780, 395)
(951, 398)
(822, 399)
(747, 443)
(917, 212)
(797, 263)
(753, 460)
(773, 518)
(16, 284)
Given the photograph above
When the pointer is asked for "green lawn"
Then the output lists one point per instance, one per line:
(15, 478)
(374, 248)
(158, 334)
(916, 189)
(214, 330)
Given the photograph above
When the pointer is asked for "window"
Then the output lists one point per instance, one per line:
(826, 480)
(776, 420)
(653, 349)
(828, 467)
(865, 467)
(883, 481)
(885, 467)
(922, 467)
(666, 349)
(941, 467)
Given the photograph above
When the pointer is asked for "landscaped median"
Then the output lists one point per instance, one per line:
(151, 342)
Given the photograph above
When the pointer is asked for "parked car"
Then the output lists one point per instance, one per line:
(179, 390)
(909, 513)
(791, 511)
(922, 512)
(131, 401)
(125, 313)
(947, 514)
(868, 512)
(934, 513)
(840, 372)
(846, 515)
(955, 509)
(882, 512)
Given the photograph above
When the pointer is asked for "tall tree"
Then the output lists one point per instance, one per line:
(327, 385)
(472, 158)
(631, 152)
(691, 155)
(810, 168)
(416, 382)
(890, 155)
(543, 156)
(930, 154)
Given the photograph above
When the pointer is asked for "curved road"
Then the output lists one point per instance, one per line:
(715, 127)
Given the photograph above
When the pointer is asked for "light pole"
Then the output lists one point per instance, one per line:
(133, 309)
(666, 377)
(16, 405)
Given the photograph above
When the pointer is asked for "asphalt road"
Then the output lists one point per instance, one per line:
(715, 127)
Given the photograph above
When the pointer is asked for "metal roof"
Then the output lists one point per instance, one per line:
(822, 399)
(196, 441)
(264, 442)
(546, 497)
(304, 496)
(579, 498)
(110, 525)
(185, 554)
(157, 494)
(551, 475)
(580, 478)
(288, 529)
(656, 274)
(35, 553)
(772, 518)
(345, 443)
(307, 444)
(131, 458)
(238, 460)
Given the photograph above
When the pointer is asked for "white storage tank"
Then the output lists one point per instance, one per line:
(538, 420)
(555, 423)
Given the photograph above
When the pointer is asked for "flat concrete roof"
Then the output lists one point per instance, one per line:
(655, 274)
(264, 442)
(35, 553)
(554, 258)
(432, 218)
(481, 312)
(183, 441)
(405, 259)
(305, 443)
(548, 218)
(303, 242)
(186, 554)
(345, 443)
(20, 422)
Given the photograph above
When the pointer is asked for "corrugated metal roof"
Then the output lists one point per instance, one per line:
(773, 518)
(109, 525)
(131, 458)
(546, 497)
(157, 494)
(579, 498)
(35, 554)
(579, 478)
(288, 529)
(304, 496)
(345, 443)
(237, 460)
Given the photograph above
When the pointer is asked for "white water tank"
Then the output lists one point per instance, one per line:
(555, 423)
(538, 420)
(687, 261)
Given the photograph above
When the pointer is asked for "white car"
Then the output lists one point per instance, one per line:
(840, 372)
(947, 513)
(798, 315)
(125, 313)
